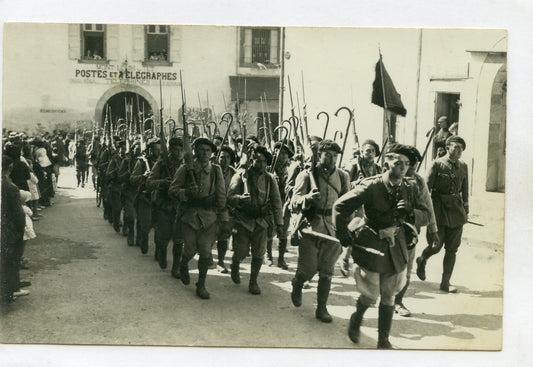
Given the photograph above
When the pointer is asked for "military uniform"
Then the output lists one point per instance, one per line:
(199, 211)
(103, 162)
(253, 219)
(115, 188)
(448, 183)
(128, 193)
(143, 204)
(223, 238)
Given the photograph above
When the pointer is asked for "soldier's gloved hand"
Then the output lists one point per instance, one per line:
(245, 199)
(344, 238)
(314, 195)
(279, 230)
(432, 238)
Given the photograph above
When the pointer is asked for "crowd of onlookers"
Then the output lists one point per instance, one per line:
(30, 171)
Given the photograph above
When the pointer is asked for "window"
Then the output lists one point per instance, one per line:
(259, 46)
(157, 38)
(93, 42)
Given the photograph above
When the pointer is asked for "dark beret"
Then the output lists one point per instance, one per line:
(218, 137)
(116, 138)
(456, 139)
(175, 142)
(231, 153)
(329, 145)
(288, 148)
(414, 156)
(120, 143)
(264, 151)
(253, 138)
(315, 138)
(204, 141)
(12, 151)
(373, 143)
(442, 118)
(400, 149)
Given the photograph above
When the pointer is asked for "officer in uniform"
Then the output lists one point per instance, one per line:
(93, 152)
(363, 167)
(226, 161)
(389, 201)
(284, 154)
(255, 197)
(115, 185)
(143, 203)
(448, 183)
(314, 253)
(164, 211)
(129, 191)
(200, 191)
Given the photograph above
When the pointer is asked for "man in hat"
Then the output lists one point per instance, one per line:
(255, 197)
(200, 191)
(115, 184)
(389, 201)
(364, 166)
(81, 162)
(143, 203)
(93, 151)
(164, 211)
(226, 160)
(129, 191)
(439, 140)
(448, 183)
(415, 158)
(283, 153)
(315, 191)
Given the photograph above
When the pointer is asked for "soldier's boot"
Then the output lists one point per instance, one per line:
(157, 247)
(296, 293)
(281, 257)
(94, 182)
(421, 264)
(447, 266)
(399, 307)
(270, 258)
(184, 270)
(235, 275)
(203, 265)
(138, 234)
(131, 232)
(162, 257)
(384, 326)
(355, 321)
(322, 294)
(222, 248)
(177, 248)
(144, 242)
(253, 287)
(116, 222)
(125, 227)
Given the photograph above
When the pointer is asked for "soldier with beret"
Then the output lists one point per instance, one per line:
(115, 184)
(143, 204)
(129, 191)
(199, 188)
(226, 160)
(388, 201)
(363, 166)
(164, 212)
(315, 191)
(283, 153)
(255, 197)
(448, 183)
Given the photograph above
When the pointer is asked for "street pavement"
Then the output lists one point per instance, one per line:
(89, 287)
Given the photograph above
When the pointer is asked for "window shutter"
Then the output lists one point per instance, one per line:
(74, 41)
(247, 46)
(112, 41)
(139, 45)
(274, 46)
(175, 44)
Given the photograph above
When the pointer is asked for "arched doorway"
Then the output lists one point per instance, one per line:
(118, 96)
(497, 125)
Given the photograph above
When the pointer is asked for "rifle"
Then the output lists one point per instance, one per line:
(429, 134)
(164, 150)
(347, 131)
(269, 123)
(187, 150)
(297, 142)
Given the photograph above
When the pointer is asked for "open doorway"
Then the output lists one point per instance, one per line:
(448, 105)
(126, 105)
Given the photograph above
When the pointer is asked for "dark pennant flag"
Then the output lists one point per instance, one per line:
(386, 87)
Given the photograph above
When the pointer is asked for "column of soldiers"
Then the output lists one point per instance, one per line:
(375, 212)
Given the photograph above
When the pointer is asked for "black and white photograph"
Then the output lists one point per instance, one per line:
(166, 184)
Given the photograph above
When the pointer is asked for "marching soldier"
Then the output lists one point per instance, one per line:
(254, 195)
(389, 201)
(114, 183)
(164, 211)
(363, 166)
(226, 161)
(284, 153)
(129, 191)
(448, 183)
(103, 162)
(81, 162)
(93, 152)
(143, 200)
(315, 192)
(200, 191)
